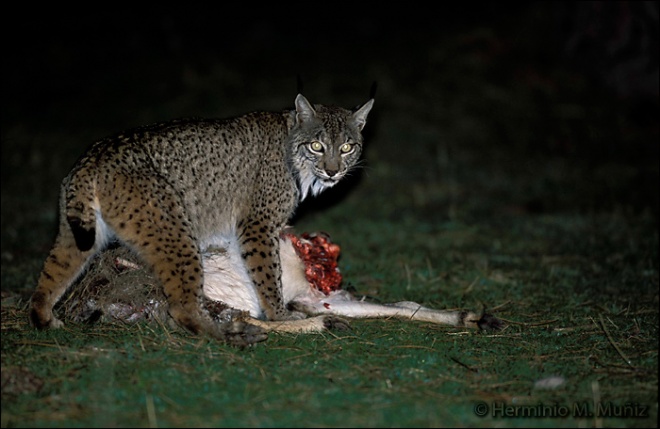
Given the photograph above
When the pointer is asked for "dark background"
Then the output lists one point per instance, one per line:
(555, 101)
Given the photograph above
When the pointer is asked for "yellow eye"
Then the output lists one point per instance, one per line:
(316, 146)
(346, 147)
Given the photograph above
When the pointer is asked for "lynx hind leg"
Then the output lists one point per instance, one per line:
(156, 226)
(61, 268)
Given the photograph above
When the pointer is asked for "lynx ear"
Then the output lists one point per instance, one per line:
(304, 110)
(360, 115)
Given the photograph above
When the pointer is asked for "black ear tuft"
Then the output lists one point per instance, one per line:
(299, 83)
(372, 91)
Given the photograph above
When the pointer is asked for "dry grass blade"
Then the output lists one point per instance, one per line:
(612, 342)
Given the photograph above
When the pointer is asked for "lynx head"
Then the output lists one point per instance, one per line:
(326, 143)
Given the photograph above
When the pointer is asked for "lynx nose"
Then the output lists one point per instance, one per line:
(331, 173)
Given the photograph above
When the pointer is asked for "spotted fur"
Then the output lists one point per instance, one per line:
(174, 189)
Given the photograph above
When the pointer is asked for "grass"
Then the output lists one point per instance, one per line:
(491, 181)
(571, 315)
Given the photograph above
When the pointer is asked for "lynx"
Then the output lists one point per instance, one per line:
(171, 191)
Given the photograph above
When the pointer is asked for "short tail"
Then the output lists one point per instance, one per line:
(80, 194)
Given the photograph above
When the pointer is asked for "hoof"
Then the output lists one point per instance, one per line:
(489, 322)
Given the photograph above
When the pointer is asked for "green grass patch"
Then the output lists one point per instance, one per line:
(565, 323)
